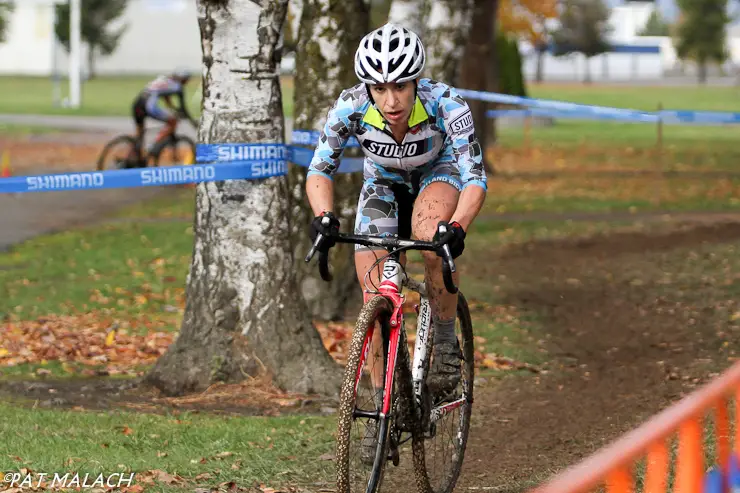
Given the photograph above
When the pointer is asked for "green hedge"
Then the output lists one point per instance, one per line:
(511, 78)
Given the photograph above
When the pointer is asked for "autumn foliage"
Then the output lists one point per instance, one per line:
(526, 18)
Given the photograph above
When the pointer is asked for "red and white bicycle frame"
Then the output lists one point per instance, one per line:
(393, 278)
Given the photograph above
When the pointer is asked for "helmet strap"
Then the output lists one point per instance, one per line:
(369, 94)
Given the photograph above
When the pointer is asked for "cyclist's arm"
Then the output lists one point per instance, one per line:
(181, 108)
(320, 193)
(462, 148)
(325, 161)
(168, 101)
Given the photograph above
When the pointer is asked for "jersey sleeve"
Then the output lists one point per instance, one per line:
(461, 146)
(339, 126)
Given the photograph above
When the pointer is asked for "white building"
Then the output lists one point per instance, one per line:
(161, 35)
(626, 21)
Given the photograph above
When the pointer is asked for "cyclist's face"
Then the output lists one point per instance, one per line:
(394, 100)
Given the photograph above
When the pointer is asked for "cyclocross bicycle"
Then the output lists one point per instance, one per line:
(407, 409)
(120, 152)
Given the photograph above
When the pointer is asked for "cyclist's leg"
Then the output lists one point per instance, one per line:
(440, 190)
(162, 115)
(139, 115)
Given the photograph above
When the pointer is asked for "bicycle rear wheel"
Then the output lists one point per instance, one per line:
(440, 449)
(172, 151)
(359, 472)
(118, 153)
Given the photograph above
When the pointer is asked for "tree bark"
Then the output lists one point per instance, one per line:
(90, 61)
(445, 39)
(701, 66)
(296, 9)
(410, 14)
(539, 76)
(331, 32)
(243, 314)
(478, 70)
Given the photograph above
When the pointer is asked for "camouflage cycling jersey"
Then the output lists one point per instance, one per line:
(440, 146)
(441, 131)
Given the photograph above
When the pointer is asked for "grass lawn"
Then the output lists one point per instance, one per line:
(102, 96)
(165, 448)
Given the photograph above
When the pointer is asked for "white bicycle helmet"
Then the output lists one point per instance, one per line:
(182, 73)
(389, 54)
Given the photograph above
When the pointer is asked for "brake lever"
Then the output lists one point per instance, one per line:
(315, 245)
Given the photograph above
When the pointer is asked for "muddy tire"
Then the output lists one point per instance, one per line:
(431, 476)
(105, 158)
(353, 475)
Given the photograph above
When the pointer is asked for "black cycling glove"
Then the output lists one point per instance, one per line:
(328, 225)
(454, 237)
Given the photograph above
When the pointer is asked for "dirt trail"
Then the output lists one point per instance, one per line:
(621, 353)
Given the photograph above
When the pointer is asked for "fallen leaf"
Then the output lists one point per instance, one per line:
(110, 338)
(165, 477)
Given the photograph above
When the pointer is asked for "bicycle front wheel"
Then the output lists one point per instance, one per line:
(362, 431)
(440, 448)
(118, 153)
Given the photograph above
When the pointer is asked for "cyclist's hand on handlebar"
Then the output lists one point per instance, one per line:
(454, 238)
(327, 225)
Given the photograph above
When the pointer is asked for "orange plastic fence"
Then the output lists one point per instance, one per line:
(613, 466)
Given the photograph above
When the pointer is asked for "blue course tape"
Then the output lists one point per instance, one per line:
(561, 109)
(302, 157)
(559, 114)
(667, 116)
(603, 111)
(311, 138)
(144, 177)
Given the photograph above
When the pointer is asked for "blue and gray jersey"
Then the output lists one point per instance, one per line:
(441, 133)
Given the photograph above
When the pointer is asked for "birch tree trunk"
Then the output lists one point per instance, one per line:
(243, 312)
(330, 32)
(410, 14)
(446, 35)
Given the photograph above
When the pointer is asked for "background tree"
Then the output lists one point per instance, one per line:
(330, 33)
(583, 29)
(479, 69)
(97, 16)
(510, 72)
(410, 14)
(655, 26)
(702, 32)
(243, 312)
(6, 8)
(445, 37)
(528, 20)
(291, 26)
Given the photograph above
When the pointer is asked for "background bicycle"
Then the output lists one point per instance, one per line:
(373, 427)
(120, 152)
